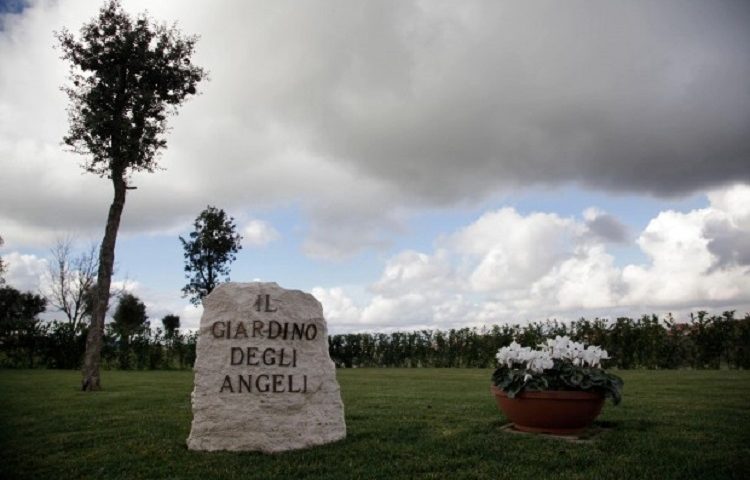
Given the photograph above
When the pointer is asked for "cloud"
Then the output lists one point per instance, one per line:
(605, 227)
(728, 244)
(407, 308)
(727, 234)
(355, 110)
(473, 100)
(410, 271)
(509, 267)
(25, 272)
(338, 308)
(586, 280)
(696, 257)
(514, 250)
(258, 233)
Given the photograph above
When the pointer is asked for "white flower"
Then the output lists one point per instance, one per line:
(559, 348)
(562, 348)
(513, 353)
(575, 351)
(593, 356)
(539, 361)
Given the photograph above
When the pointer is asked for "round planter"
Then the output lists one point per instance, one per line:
(556, 411)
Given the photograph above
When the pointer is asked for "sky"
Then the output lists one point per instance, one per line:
(415, 164)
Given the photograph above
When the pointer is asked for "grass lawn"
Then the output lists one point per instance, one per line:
(402, 423)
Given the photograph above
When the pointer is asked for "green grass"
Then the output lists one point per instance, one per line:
(402, 423)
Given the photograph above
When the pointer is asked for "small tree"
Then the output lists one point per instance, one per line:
(129, 319)
(171, 324)
(212, 246)
(72, 279)
(127, 76)
(172, 336)
(2, 265)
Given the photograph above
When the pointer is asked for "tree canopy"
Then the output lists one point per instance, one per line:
(19, 323)
(171, 324)
(19, 310)
(210, 248)
(129, 317)
(127, 76)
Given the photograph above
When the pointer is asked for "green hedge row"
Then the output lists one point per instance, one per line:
(648, 342)
(707, 341)
(54, 345)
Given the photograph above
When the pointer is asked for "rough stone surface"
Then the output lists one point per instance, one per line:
(256, 392)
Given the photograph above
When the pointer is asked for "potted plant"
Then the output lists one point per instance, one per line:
(557, 388)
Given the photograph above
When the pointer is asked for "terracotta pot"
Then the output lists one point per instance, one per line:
(556, 411)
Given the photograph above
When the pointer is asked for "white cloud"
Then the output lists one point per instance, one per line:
(514, 250)
(190, 318)
(406, 308)
(25, 272)
(125, 285)
(685, 268)
(727, 233)
(414, 271)
(338, 308)
(508, 267)
(258, 233)
(734, 202)
(586, 280)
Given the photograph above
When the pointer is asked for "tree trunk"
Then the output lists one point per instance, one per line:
(94, 340)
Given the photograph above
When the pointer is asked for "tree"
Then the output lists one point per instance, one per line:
(19, 325)
(17, 309)
(71, 291)
(171, 325)
(2, 265)
(212, 246)
(72, 279)
(127, 76)
(129, 319)
(172, 337)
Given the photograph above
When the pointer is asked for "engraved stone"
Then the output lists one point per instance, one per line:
(263, 377)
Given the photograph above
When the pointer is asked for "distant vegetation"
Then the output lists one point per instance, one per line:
(130, 342)
(706, 342)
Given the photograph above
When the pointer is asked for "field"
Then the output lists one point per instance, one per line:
(402, 423)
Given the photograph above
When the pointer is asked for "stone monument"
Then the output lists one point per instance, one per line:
(263, 377)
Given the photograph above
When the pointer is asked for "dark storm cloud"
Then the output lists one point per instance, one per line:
(458, 99)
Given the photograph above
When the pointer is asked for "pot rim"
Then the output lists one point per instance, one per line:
(552, 394)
